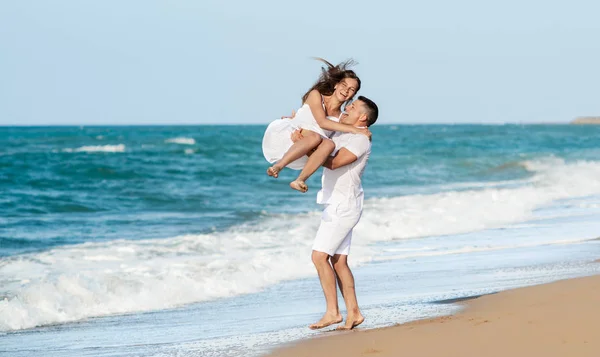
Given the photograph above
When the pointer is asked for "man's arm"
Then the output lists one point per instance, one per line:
(356, 147)
(342, 158)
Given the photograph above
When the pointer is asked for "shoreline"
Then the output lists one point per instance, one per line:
(554, 319)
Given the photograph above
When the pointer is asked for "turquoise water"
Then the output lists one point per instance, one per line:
(69, 185)
(123, 226)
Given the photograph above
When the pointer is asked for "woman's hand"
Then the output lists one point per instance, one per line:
(290, 117)
(297, 135)
(363, 131)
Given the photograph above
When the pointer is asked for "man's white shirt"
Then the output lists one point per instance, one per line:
(343, 185)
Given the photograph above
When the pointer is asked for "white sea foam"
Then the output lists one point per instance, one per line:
(455, 212)
(76, 282)
(181, 141)
(98, 148)
(97, 279)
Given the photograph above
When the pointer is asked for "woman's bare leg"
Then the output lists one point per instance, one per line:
(300, 148)
(315, 161)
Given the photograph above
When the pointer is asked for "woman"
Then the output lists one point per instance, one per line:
(336, 85)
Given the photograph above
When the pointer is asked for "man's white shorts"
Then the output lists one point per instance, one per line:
(335, 232)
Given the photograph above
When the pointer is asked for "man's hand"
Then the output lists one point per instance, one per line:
(290, 117)
(297, 135)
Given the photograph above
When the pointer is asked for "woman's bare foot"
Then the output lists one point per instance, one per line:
(352, 322)
(299, 185)
(274, 171)
(325, 321)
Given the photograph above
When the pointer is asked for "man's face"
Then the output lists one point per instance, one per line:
(353, 112)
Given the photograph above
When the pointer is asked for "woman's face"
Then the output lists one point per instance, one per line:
(345, 89)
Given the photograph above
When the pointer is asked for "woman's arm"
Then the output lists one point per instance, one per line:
(314, 102)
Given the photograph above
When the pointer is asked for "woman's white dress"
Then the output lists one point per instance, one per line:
(277, 139)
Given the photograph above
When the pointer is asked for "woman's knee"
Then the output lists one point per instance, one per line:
(312, 137)
(328, 145)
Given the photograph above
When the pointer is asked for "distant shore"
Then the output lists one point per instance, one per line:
(586, 120)
(551, 320)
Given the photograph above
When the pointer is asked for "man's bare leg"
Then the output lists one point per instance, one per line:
(346, 283)
(300, 148)
(315, 161)
(327, 278)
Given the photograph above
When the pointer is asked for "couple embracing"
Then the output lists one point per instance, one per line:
(322, 134)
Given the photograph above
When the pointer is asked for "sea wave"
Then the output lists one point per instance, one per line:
(77, 282)
(181, 141)
(98, 279)
(98, 148)
(456, 212)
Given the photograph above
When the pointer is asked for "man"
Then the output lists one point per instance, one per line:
(342, 195)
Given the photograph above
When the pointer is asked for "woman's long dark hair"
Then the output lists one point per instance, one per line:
(331, 76)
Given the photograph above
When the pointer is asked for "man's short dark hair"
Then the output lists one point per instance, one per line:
(372, 110)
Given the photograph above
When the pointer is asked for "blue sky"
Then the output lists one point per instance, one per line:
(199, 62)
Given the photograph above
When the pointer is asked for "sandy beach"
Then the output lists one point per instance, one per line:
(556, 319)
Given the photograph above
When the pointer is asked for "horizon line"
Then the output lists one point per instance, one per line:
(259, 124)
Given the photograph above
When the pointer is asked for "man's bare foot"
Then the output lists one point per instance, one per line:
(299, 185)
(351, 322)
(274, 171)
(325, 321)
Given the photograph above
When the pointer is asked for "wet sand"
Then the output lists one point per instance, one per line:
(556, 319)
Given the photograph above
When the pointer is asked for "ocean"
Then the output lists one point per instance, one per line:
(173, 241)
